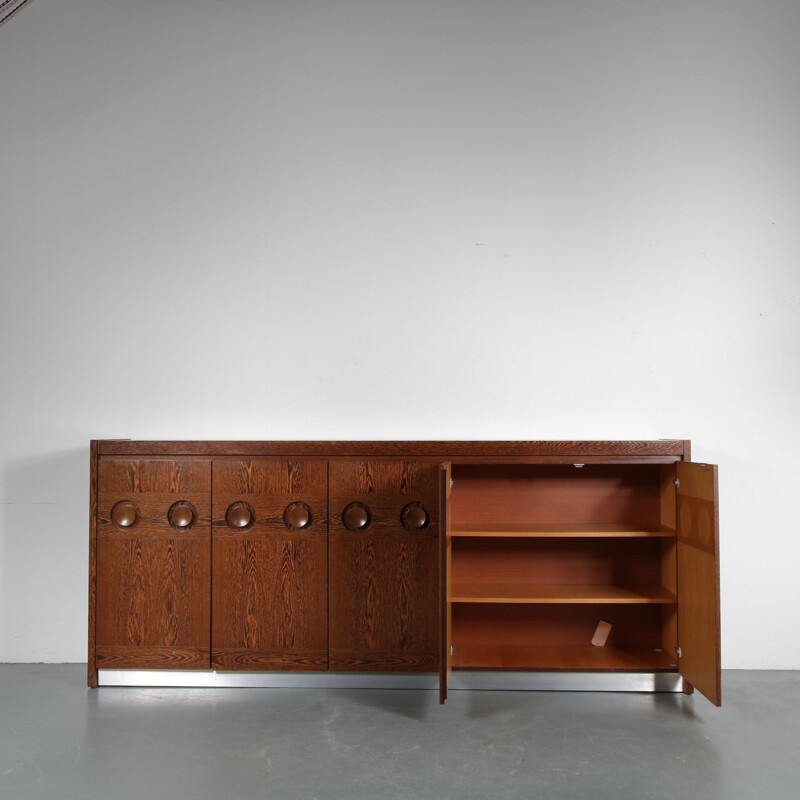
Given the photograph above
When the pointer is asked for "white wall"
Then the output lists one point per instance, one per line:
(359, 219)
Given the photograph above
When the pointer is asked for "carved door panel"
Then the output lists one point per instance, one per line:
(153, 563)
(384, 565)
(270, 559)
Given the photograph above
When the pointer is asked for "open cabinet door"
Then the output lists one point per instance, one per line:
(698, 578)
(445, 661)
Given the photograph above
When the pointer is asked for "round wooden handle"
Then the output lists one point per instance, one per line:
(297, 516)
(125, 514)
(239, 516)
(415, 517)
(356, 517)
(181, 515)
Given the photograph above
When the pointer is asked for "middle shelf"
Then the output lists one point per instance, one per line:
(558, 593)
(562, 530)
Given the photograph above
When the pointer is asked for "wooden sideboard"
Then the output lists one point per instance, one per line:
(578, 557)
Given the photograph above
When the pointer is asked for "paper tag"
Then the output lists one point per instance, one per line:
(601, 634)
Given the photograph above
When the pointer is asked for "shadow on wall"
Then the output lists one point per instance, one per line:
(44, 557)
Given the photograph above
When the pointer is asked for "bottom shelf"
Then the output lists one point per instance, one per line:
(574, 658)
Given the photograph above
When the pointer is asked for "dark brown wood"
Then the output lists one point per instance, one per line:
(540, 552)
(698, 578)
(153, 582)
(146, 657)
(445, 582)
(270, 598)
(668, 449)
(92, 661)
(384, 581)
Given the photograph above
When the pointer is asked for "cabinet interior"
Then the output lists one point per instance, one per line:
(541, 554)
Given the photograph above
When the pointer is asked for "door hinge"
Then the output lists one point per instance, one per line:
(452, 649)
(678, 652)
(677, 482)
(452, 483)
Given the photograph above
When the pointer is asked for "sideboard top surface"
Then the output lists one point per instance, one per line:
(647, 450)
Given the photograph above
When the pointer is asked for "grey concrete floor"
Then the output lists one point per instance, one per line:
(61, 740)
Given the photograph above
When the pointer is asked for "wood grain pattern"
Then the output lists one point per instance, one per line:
(270, 582)
(153, 582)
(376, 660)
(668, 449)
(152, 593)
(698, 578)
(146, 657)
(139, 477)
(384, 582)
(285, 658)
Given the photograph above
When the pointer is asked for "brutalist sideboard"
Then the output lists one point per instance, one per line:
(586, 564)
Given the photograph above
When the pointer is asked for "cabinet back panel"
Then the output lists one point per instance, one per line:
(614, 562)
(607, 494)
(556, 625)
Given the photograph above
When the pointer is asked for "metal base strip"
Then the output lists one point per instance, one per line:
(460, 680)
(267, 680)
(568, 681)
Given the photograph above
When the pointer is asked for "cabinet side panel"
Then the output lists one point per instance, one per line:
(92, 662)
(669, 557)
(445, 557)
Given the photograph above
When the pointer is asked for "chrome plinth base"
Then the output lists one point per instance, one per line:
(461, 680)
(267, 680)
(568, 681)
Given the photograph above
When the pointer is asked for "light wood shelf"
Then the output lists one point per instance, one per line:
(562, 593)
(560, 530)
(566, 657)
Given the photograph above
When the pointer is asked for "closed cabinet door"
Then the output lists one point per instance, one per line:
(153, 564)
(270, 560)
(384, 565)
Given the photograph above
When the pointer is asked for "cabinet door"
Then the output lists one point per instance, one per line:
(384, 565)
(446, 659)
(698, 578)
(270, 558)
(153, 564)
